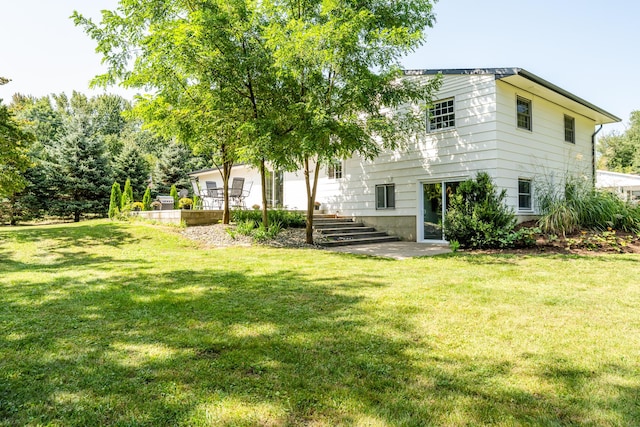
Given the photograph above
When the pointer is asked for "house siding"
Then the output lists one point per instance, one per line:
(541, 154)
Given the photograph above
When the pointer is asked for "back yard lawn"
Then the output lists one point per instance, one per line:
(129, 324)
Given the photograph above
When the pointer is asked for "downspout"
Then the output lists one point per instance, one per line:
(593, 156)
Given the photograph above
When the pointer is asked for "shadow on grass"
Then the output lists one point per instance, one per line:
(86, 235)
(227, 348)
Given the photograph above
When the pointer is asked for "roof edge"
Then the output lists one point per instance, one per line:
(504, 72)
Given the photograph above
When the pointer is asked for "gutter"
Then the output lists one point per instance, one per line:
(593, 156)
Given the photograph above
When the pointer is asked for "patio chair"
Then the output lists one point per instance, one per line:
(238, 192)
(215, 194)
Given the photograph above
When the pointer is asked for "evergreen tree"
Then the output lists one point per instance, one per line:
(131, 165)
(174, 193)
(78, 172)
(127, 196)
(115, 200)
(172, 168)
(146, 200)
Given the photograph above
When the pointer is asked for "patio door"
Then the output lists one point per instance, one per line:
(436, 197)
(275, 189)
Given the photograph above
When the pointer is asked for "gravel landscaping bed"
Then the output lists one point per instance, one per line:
(220, 235)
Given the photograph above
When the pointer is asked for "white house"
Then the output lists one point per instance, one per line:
(626, 186)
(516, 126)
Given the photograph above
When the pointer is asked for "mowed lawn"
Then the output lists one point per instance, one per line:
(129, 324)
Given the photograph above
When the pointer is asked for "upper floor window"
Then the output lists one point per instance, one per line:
(335, 169)
(524, 194)
(524, 113)
(569, 129)
(385, 196)
(441, 115)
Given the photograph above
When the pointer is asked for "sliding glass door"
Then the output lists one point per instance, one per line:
(436, 198)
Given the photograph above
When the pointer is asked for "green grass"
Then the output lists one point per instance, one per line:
(129, 324)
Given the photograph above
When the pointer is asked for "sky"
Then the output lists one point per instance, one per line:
(591, 51)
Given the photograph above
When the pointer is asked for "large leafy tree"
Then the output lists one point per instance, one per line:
(292, 82)
(339, 61)
(621, 152)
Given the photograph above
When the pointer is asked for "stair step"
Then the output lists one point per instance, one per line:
(363, 241)
(342, 230)
(354, 235)
(331, 220)
(326, 225)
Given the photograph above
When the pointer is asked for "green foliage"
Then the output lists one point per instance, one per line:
(286, 219)
(127, 195)
(14, 159)
(621, 152)
(478, 217)
(172, 167)
(146, 200)
(185, 203)
(580, 206)
(130, 165)
(78, 175)
(176, 198)
(115, 201)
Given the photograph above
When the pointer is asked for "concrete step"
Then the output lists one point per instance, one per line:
(340, 230)
(363, 241)
(326, 225)
(355, 235)
(331, 220)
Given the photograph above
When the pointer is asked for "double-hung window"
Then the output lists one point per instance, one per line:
(523, 109)
(441, 115)
(385, 196)
(524, 195)
(569, 129)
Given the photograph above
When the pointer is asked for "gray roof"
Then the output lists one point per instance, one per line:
(513, 75)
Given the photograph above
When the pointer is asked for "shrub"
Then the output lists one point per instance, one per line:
(286, 219)
(581, 206)
(146, 200)
(115, 200)
(478, 217)
(176, 199)
(127, 195)
(185, 203)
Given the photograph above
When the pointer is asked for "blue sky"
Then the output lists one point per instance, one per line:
(591, 51)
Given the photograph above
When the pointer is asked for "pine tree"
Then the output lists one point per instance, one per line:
(115, 200)
(78, 171)
(171, 168)
(130, 164)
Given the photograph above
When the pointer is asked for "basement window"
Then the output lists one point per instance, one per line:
(524, 194)
(385, 196)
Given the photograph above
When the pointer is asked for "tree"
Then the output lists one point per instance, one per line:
(14, 159)
(338, 61)
(621, 152)
(79, 179)
(127, 196)
(291, 83)
(115, 201)
(131, 165)
(171, 168)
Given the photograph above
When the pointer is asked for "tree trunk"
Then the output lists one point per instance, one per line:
(76, 216)
(263, 180)
(226, 172)
(311, 196)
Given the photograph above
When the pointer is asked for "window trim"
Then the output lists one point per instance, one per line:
(431, 115)
(572, 137)
(387, 199)
(528, 117)
(529, 195)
